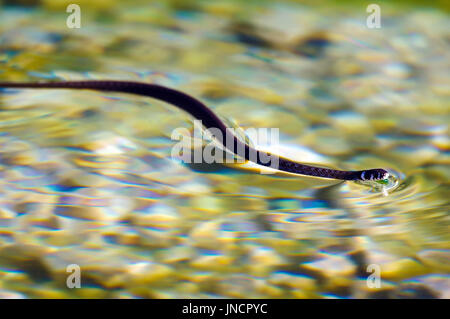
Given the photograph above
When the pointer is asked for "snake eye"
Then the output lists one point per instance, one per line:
(374, 174)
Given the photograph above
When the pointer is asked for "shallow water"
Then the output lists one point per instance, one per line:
(87, 178)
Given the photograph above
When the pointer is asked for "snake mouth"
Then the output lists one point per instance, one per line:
(385, 175)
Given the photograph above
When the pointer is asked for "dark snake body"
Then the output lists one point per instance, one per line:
(210, 120)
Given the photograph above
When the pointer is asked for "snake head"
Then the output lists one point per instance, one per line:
(374, 174)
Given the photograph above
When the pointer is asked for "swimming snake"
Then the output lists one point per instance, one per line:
(210, 120)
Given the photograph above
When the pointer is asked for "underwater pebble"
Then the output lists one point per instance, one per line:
(104, 267)
(237, 286)
(208, 235)
(5, 294)
(294, 281)
(83, 212)
(363, 290)
(212, 260)
(264, 256)
(29, 257)
(351, 122)
(144, 273)
(155, 238)
(177, 254)
(206, 204)
(413, 290)
(330, 265)
(414, 156)
(157, 216)
(267, 290)
(7, 214)
(396, 70)
(437, 259)
(402, 269)
(438, 283)
(261, 260)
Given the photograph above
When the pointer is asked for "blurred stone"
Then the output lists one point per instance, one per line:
(402, 268)
(330, 265)
(5, 294)
(294, 281)
(145, 273)
(437, 259)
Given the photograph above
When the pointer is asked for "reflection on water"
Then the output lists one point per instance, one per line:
(87, 178)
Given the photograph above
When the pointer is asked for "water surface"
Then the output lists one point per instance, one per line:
(87, 178)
